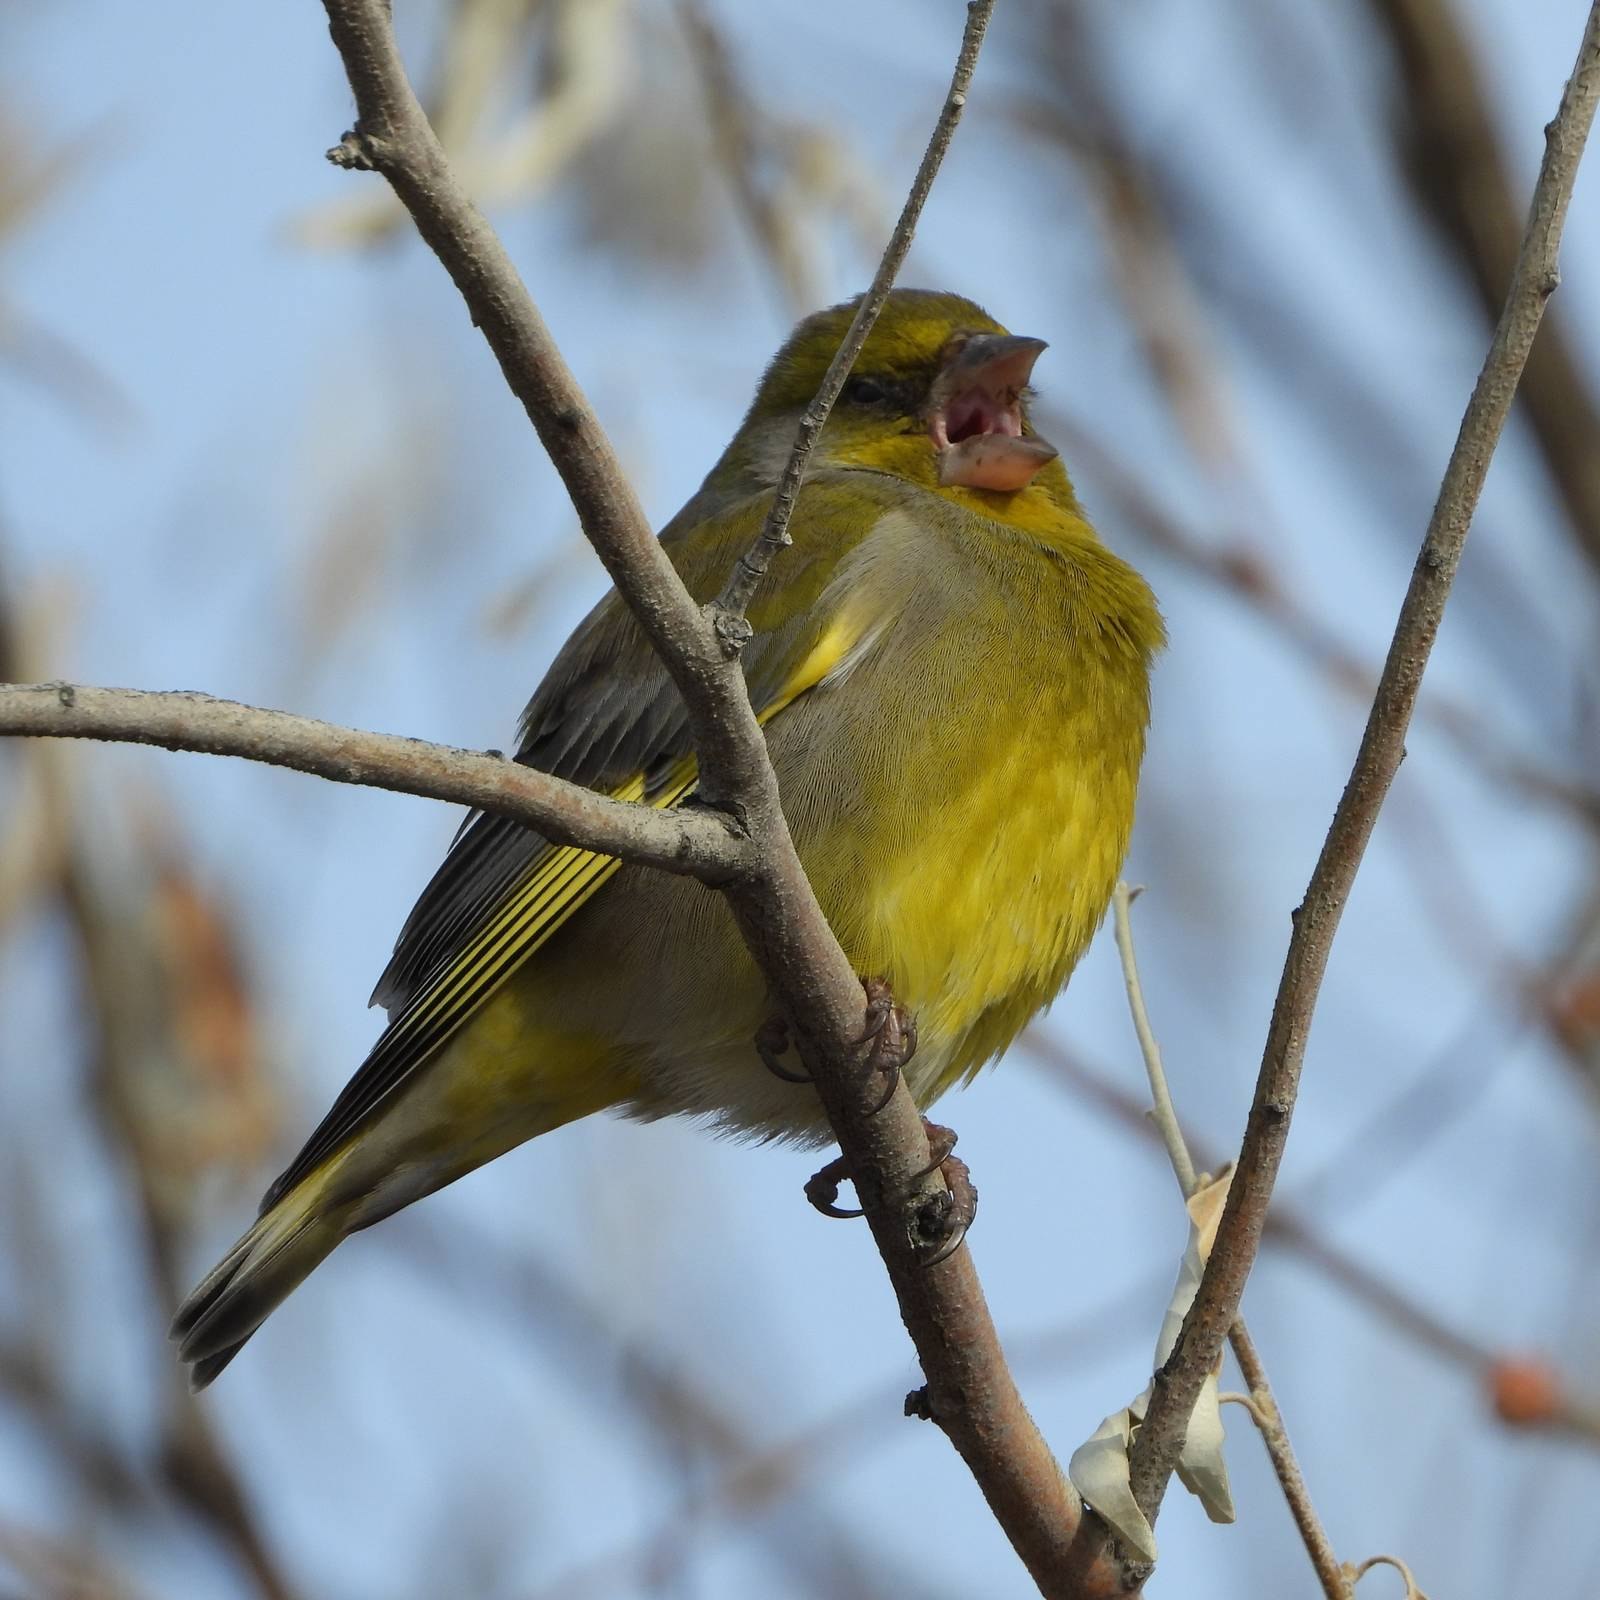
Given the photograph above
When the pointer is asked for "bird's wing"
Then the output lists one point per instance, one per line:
(606, 716)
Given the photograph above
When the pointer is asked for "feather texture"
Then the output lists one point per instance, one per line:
(954, 683)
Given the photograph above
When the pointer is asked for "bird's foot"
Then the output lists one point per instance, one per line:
(772, 1041)
(944, 1218)
(941, 1220)
(890, 1034)
(822, 1190)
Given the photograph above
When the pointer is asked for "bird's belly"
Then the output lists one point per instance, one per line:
(973, 888)
(979, 920)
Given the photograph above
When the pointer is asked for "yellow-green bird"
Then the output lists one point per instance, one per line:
(953, 674)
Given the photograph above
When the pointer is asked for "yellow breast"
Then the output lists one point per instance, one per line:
(966, 839)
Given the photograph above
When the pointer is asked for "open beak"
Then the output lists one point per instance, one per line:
(975, 414)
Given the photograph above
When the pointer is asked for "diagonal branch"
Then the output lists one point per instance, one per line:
(752, 567)
(1382, 749)
(1261, 1401)
(970, 1391)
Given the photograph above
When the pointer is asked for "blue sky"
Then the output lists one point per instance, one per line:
(314, 491)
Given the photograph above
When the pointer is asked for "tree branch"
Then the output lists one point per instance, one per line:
(970, 1391)
(697, 843)
(1263, 1404)
(1382, 748)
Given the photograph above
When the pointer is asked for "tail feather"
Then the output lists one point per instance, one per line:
(204, 1371)
(288, 1242)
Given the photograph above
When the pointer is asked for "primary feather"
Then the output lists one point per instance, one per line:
(954, 684)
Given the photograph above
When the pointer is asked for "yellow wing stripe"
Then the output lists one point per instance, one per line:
(556, 887)
(568, 877)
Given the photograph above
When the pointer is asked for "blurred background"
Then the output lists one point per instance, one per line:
(249, 443)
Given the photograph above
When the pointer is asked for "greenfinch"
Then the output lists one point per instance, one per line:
(953, 675)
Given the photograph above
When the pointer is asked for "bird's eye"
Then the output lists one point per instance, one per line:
(865, 391)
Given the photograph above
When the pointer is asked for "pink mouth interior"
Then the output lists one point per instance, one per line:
(972, 412)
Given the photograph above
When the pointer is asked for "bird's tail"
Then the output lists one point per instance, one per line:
(287, 1243)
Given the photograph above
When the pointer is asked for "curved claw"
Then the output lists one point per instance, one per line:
(772, 1041)
(891, 1032)
(888, 1093)
(941, 1145)
(944, 1222)
(908, 1029)
(950, 1247)
(822, 1190)
(880, 1007)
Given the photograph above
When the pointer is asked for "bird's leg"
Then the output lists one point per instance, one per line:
(891, 1034)
(772, 1041)
(944, 1218)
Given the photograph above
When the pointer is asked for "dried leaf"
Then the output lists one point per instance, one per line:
(1099, 1467)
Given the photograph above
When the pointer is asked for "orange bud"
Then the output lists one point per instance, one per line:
(1526, 1391)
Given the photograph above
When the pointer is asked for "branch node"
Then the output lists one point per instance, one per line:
(919, 1404)
(354, 153)
(1250, 1403)
(733, 631)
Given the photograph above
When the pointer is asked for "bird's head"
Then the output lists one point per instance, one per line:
(938, 395)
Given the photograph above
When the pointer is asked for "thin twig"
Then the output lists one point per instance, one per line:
(1452, 155)
(1245, 1401)
(1162, 1112)
(752, 1485)
(1382, 748)
(1357, 1573)
(1263, 1404)
(730, 606)
(1547, 1407)
(392, 136)
(1526, 1391)
(121, 1013)
(1286, 1465)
